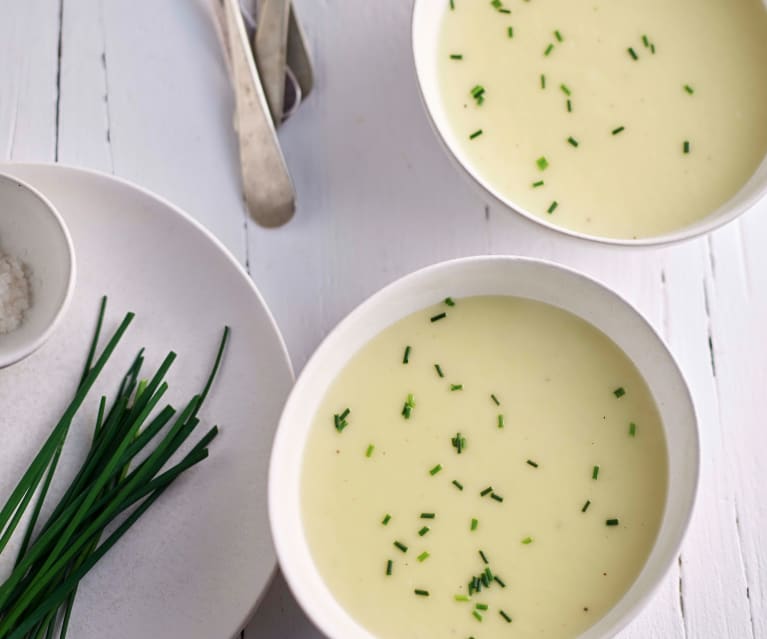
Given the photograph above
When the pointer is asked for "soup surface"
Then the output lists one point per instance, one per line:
(512, 446)
(645, 116)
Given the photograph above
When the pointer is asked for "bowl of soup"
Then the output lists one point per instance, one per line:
(624, 122)
(487, 443)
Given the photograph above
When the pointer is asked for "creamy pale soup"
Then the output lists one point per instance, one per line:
(616, 118)
(488, 467)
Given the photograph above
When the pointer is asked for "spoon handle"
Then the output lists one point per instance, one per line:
(268, 189)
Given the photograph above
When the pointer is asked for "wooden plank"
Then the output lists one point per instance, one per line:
(84, 126)
(29, 39)
(146, 94)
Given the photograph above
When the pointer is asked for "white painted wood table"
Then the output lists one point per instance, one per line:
(139, 88)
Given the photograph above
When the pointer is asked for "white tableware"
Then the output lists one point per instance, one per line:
(425, 34)
(527, 278)
(196, 564)
(32, 231)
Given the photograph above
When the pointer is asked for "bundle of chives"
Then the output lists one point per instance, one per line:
(37, 597)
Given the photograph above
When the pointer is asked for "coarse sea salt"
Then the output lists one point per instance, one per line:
(14, 293)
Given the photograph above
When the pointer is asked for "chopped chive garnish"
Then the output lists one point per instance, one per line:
(339, 421)
(572, 141)
(493, 397)
(435, 470)
(487, 491)
(530, 462)
(400, 545)
(652, 49)
(474, 523)
(527, 540)
(452, 5)
(618, 130)
(485, 581)
(553, 206)
(449, 301)
(456, 56)
(389, 565)
(549, 49)
(504, 10)
(537, 184)
(500, 421)
(595, 472)
(586, 506)
(496, 496)
(369, 450)
(456, 387)
(565, 89)
(386, 519)
(428, 515)
(569, 106)
(477, 91)
(423, 556)
(477, 615)
(406, 356)
(437, 317)
(421, 593)
(633, 53)
(484, 557)
(646, 41)
(500, 581)
(689, 89)
(476, 134)
(497, 4)
(505, 616)
(619, 392)
(481, 606)
(686, 146)
(558, 36)
(409, 405)
(542, 163)
(457, 484)
(510, 32)
(423, 531)
(489, 575)
(459, 443)
(632, 429)
(438, 368)
(543, 81)
(612, 522)
(461, 597)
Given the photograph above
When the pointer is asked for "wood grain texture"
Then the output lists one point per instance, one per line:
(140, 89)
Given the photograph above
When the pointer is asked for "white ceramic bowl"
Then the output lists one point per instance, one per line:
(426, 27)
(33, 231)
(527, 278)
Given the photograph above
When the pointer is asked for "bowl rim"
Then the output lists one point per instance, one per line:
(25, 349)
(699, 228)
(293, 572)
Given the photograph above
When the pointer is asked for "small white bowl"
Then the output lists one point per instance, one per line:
(33, 231)
(466, 277)
(425, 34)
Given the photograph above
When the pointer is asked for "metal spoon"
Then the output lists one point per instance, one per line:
(270, 47)
(268, 189)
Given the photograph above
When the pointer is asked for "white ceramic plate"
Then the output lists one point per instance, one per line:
(195, 565)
